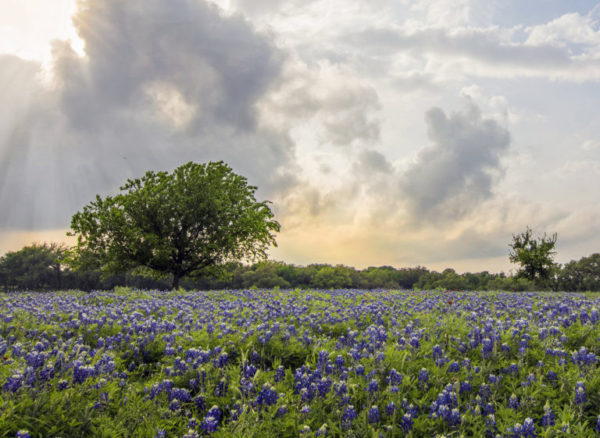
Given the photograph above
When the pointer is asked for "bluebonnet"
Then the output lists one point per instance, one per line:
(530, 379)
(454, 367)
(322, 431)
(281, 411)
(221, 388)
(279, 374)
(373, 386)
(548, 418)
(174, 405)
(414, 342)
(211, 420)
(528, 428)
(454, 418)
(423, 375)
(487, 347)
(348, 417)
(525, 430)
(584, 358)
(267, 395)
(199, 402)
(490, 425)
(236, 411)
(394, 377)
(406, 422)
(580, 394)
(222, 360)
(324, 386)
(489, 409)
(13, 383)
(191, 433)
(180, 394)
(210, 424)
(465, 386)
(249, 371)
(390, 408)
(374, 415)
(192, 423)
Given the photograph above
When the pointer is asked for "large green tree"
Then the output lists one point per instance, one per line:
(183, 223)
(534, 255)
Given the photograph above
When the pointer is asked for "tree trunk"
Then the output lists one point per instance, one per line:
(176, 277)
(58, 277)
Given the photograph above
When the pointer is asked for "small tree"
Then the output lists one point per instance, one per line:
(186, 222)
(536, 256)
(37, 266)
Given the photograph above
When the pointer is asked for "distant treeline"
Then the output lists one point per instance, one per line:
(39, 267)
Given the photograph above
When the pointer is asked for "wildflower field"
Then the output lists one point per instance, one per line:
(271, 363)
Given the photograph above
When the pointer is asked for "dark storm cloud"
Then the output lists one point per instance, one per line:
(162, 82)
(217, 63)
(458, 170)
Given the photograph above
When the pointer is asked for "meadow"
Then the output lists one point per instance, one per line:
(289, 363)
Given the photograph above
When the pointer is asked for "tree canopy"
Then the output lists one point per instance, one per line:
(36, 266)
(183, 223)
(535, 256)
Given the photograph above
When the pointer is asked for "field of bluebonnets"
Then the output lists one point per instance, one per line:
(299, 363)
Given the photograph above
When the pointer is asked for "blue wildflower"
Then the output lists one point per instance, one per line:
(373, 386)
(423, 375)
(281, 411)
(279, 373)
(548, 418)
(267, 395)
(406, 423)
(580, 394)
(374, 415)
(390, 408)
(348, 417)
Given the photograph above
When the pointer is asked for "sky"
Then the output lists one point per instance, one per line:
(384, 132)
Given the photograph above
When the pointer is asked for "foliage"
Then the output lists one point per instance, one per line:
(183, 223)
(37, 266)
(581, 275)
(535, 256)
(289, 363)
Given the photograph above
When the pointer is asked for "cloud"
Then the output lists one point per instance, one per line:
(486, 52)
(161, 83)
(340, 104)
(457, 171)
(566, 30)
(372, 162)
(590, 145)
